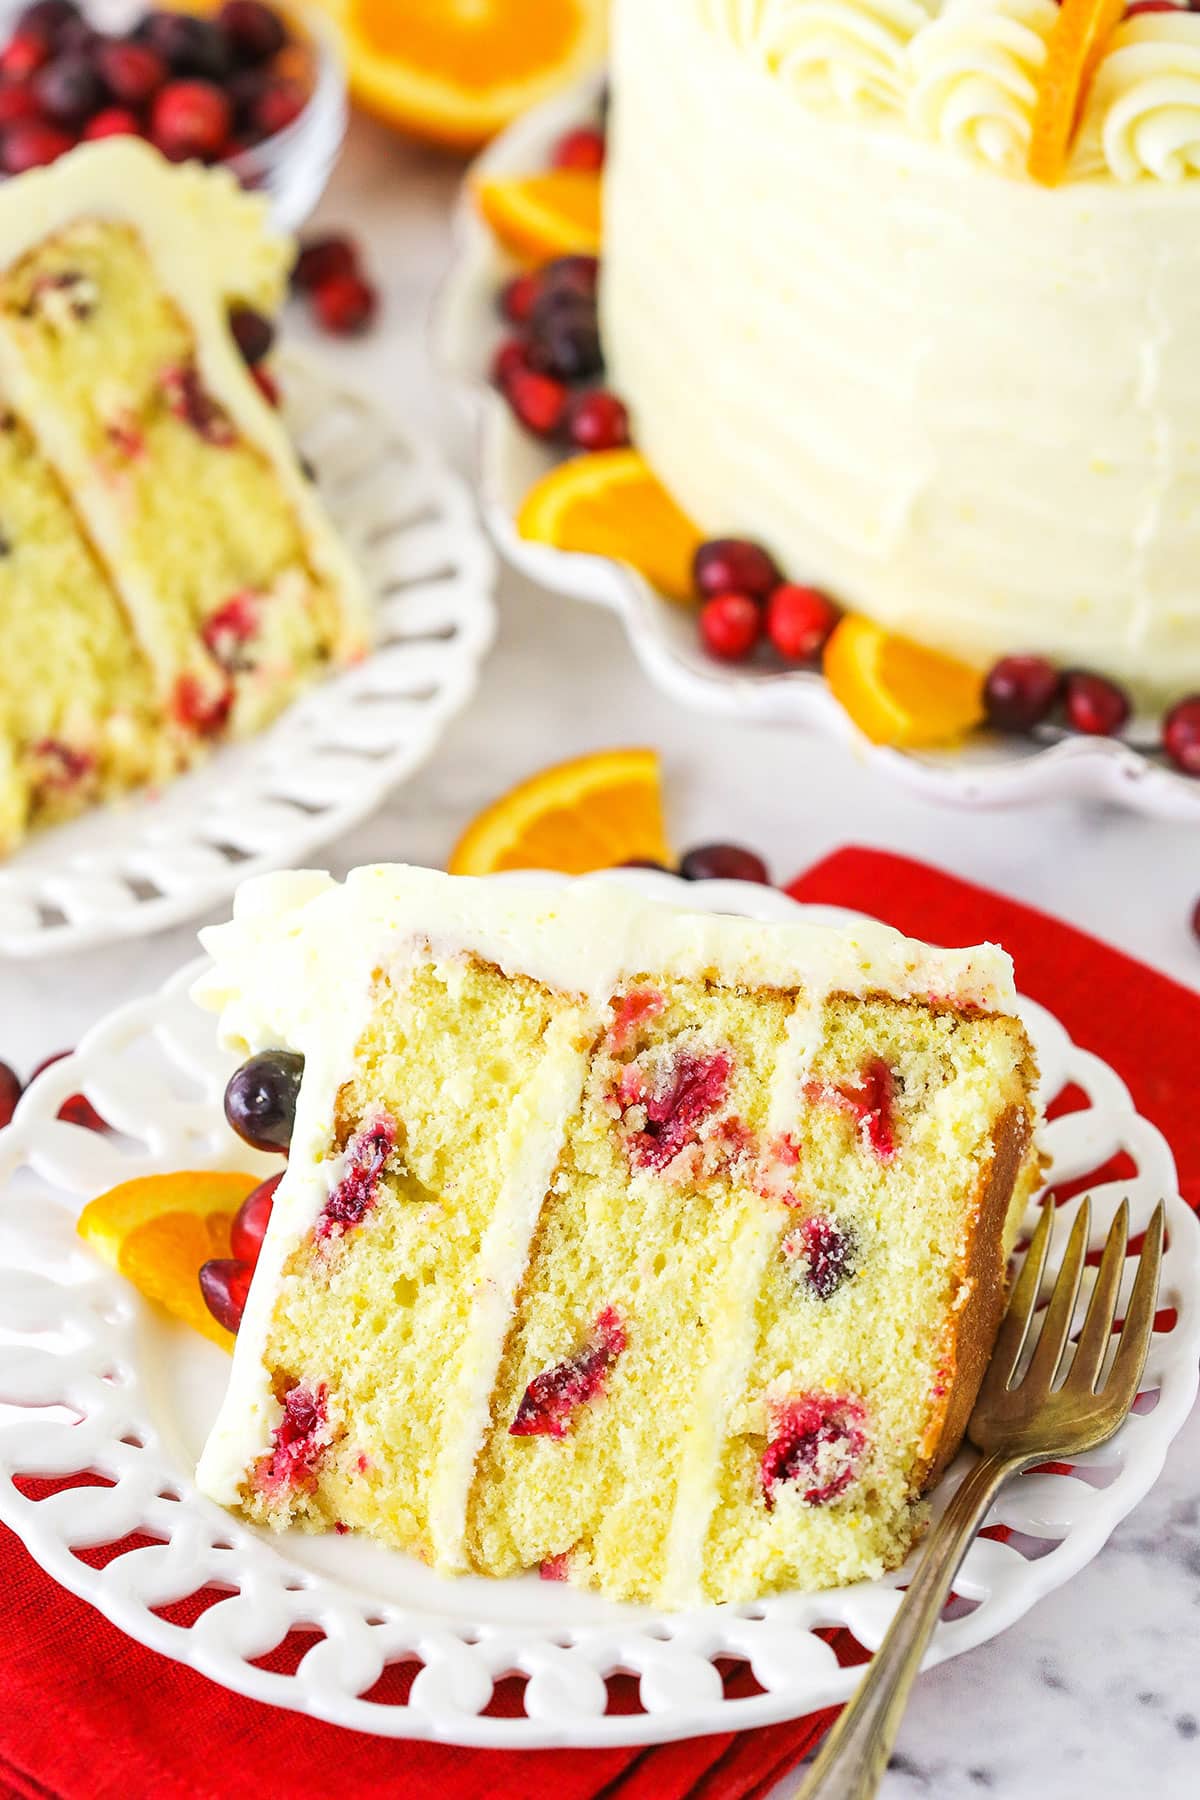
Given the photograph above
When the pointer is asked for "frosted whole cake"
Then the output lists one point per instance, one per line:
(658, 1250)
(850, 324)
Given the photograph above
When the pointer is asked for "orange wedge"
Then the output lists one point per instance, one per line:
(537, 217)
(898, 693)
(159, 1229)
(612, 504)
(1078, 39)
(592, 813)
(455, 72)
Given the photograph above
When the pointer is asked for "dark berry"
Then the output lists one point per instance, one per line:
(800, 621)
(77, 1109)
(23, 55)
(17, 102)
(1181, 734)
(582, 148)
(1093, 704)
(823, 1251)
(244, 90)
(734, 565)
(550, 1402)
(577, 274)
(517, 297)
(48, 17)
(1020, 692)
(190, 119)
(188, 45)
(256, 32)
(723, 862)
(225, 1284)
(597, 420)
(730, 626)
(278, 106)
(346, 305)
(324, 259)
(564, 336)
(538, 401)
(132, 73)
(251, 1220)
(644, 862)
(260, 1100)
(68, 90)
(111, 121)
(10, 1093)
(253, 334)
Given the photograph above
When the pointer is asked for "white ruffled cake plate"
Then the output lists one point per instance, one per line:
(337, 752)
(986, 772)
(99, 1389)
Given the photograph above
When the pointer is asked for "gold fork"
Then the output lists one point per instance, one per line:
(1031, 1421)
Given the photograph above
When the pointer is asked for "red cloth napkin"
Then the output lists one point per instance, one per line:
(86, 1714)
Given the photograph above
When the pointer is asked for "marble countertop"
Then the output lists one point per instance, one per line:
(1096, 1694)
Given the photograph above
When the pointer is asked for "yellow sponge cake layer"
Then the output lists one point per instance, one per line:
(658, 1250)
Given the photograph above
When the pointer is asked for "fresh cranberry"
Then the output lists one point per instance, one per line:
(278, 106)
(267, 385)
(253, 333)
(188, 45)
(251, 1220)
(550, 1402)
(564, 337)
(510, 356)
(582, 148)
(1093, 704)
(23, 55)
(345, 305)
(356, 1193)
(190, 119)
(132, 73)
(10, 1093)
(226, 632)
(225, 1285)
(1021, 691)
(200, 708)
(723, 862)
(823, 1251)
(676, 1105)
(800, 621)
(48, 18)
(297, 1441)
(256, 32)
(816, 1444)
(517, 297)
(111, 121)
(730, 626)
(870, 1100)
(260, 1099)
(324, 259)
(734, 565)
(76, 1109)
(17, 102)
(68, 90)
(1181, 734)
(597, 420)
(575, 274)
(1150, 6)
(539, 401)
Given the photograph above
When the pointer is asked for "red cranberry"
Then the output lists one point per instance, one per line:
(253, 333)
(201, 709)
(23, 55)
(510, 356)
(132, 72)
(550, 1402)
(267, 385)
(1181, 734)
(17, 102)
(77, 1109)
(564, 336)
(800, 621)
(188, 45)
(582, 148)
(68, 90)
(1150, 6)
(517, 297)
(730, 626)
(538, 401)
(32, 144)
(1021, 691)
(816, 1444)
(48, 18)
(723, 862)
(324, 259)
(190, 401)
(190, 119)
(734, 565)
(824, 1251)
(251, 1220)
(256, 32)
(676, 1106)
(278, 106)
(111, 121)
(10, 1093)
(345, 305)
(357, 1193)
(226, 632)
(870, 1100)
(298, 1440)
(225, 1284)
(1094, 704)
(597, 420)
(260, 1099)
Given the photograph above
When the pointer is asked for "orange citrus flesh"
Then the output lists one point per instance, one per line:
(538, 217)
(1077, 41)
(159, 1229)
(455, 72)
(612, 504)
(591, 813)
(898, 693)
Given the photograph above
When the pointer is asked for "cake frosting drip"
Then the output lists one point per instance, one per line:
(975, 72)
(1143, 114)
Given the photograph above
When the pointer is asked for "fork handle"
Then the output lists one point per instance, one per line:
(855, 1754)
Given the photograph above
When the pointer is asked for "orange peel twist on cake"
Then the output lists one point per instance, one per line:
(662, 1251)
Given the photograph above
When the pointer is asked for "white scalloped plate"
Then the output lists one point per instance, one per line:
(986, 772)
(92, 1378)
(333, 756)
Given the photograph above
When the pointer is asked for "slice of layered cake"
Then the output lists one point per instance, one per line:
(661, 1251)
(168, 577)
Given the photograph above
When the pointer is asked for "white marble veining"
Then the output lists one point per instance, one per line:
(1094, 1696)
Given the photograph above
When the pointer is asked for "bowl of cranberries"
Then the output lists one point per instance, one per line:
(257, 86)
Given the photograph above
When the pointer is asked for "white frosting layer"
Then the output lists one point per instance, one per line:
(1143, 112)
(965, 404)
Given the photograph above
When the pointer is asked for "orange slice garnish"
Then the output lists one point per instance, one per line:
(457, 71)
(898, 693)
(1078, 39)
(537, 217)
(159, 1229)
(612, 504)
(591, 813)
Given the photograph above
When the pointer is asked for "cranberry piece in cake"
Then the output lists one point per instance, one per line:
(10, 1093)
(550, 1402)
(190, 400)
(199, 708)
(816, 1445)
(683, 1093)
(225, 1284)
(251, 1220)
(299, 1441)
(871, 1102)
(631, 1012)
(357, 1191)
(60, 766)
(260, 1099)
(822, 1252)
(226, 632)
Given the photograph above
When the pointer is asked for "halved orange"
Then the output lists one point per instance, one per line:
(1078, 39)
(591, 813)
(612, 504)
(457, 71)
(159, 1229)
(537, 217)
(897, 692)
